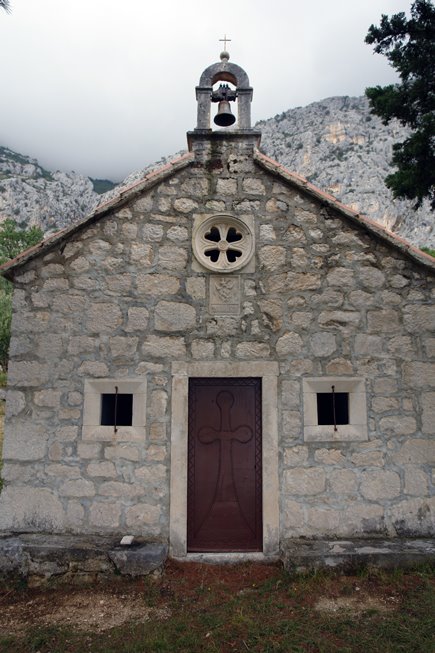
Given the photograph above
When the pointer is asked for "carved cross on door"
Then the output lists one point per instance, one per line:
(225, 435)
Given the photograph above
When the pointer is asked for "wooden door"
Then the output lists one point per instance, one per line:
(224, 503)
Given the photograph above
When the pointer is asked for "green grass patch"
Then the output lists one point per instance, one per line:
(212, 611)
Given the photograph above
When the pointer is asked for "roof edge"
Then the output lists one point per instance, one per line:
(357, 218)
(125, 194)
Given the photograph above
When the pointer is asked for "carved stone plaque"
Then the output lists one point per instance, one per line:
(224, 295)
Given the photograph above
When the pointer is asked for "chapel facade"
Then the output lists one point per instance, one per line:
(221, 358)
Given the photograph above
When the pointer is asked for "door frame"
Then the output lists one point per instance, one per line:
(181, 372)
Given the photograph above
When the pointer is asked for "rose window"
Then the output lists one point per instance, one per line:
(223, 243)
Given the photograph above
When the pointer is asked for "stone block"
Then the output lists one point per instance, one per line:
(294, 456)
(414, 517)
(137, 319)
(15, 403)
(30, 509)
(102, 469)
(272, 257)
(383, 321)
(103, 317)
(82, 344)
(155, 453)
(371, 277)
(322, 521)
(397, 425)
(185, 205)
(93, 368)
(290, 393)
(63, 471)
(272, 313)
(123, 452)
(304, 481)
(174, 316)
(293, 518)
(47, 397)
(122, 490)
(253, 186)
(340, 277)
(329, 457)
(385, 404)
(339, 319)
(139, 561)
(158, 431)
(252, 349)
(428, 417)
(380, 484)
(368, 459)
(157, 285)
(343, 481)
(339, 366)
(25, 442)
(177, 233)
(202, 349)
(77, 488)
(290, 344)
(419, 318)
(367, 345)
(291, 423)
(164, 347)
(418, 374)
(144, 518)
(159, 404)
(152, 232)
(416, 481)
(195, 287)
(88, 451)
(362, 518)
(123, 346)
(28, 373)
(119, 283)
(142, 254)
(105, 515)
(415, 451)
(172, 258)
(323, 344)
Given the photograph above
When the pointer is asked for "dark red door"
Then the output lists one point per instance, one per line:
(224, 481)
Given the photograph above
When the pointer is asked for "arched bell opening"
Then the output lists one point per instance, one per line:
(233, 82)
(224, 105)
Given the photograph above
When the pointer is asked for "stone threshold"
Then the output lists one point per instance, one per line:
(300, 555)
(40, 557)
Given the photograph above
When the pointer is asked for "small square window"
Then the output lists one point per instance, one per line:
(116, 409)
(341, 397)
(332, 408)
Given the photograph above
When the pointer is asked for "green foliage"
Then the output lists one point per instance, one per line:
(102, 185)
(428, 250)
(13, 240)
(409, 46)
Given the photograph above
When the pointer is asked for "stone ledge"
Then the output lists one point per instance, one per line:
(43, 556)
(304, 555)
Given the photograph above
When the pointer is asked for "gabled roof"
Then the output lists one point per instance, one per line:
(160, 174)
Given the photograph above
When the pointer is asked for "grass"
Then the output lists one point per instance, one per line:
(277, 614)
(2, 418)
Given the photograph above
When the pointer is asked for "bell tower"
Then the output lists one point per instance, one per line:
(224, 71)
(214, 145)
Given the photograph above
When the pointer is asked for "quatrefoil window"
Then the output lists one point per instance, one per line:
(223, 243)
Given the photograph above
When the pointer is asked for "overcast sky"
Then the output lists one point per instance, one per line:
(104, 87)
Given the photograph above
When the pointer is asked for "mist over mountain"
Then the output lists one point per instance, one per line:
(337, 144)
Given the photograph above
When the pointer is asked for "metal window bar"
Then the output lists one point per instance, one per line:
(333, 408)
(115, 417)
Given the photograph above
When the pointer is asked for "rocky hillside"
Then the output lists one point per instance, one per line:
(32, 195)
(339, 146)
(336, 144)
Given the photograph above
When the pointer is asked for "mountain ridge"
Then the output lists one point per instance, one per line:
(336, 143)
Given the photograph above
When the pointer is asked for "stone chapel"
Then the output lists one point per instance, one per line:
(221, 360)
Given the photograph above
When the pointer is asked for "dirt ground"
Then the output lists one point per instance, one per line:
(108, 605)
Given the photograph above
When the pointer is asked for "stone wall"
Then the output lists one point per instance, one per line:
(124, 298)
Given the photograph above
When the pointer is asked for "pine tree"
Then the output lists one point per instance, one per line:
(409, 45)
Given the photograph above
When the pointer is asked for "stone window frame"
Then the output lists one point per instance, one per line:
(205, 224)
(357, 427)
(181, 372)
(93, 389)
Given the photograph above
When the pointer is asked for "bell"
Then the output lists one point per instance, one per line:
(224, 117)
